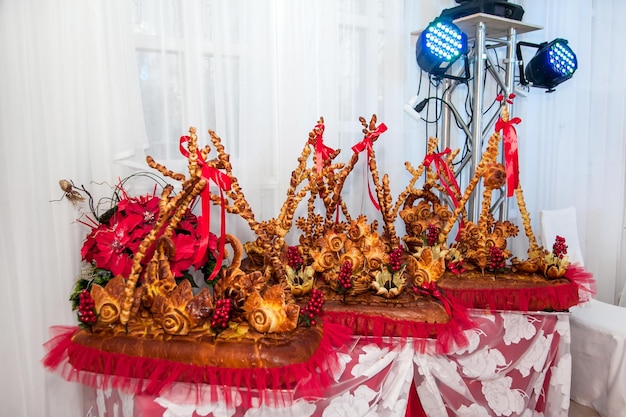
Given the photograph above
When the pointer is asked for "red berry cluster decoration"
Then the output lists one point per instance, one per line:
(432, 233)
(496, 259)
(294, 257)
(456, 268)
(312, 309)
(344, 278)
(559, 249)
(395, 259)
(221, 313)
(86, 308)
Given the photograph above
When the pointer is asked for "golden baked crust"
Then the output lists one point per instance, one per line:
(252, 350)
(476, 280)
(407, 306)
(513, 291)
(408, 315)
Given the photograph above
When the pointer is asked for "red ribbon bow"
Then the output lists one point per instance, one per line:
(366, 145)
(322, 152)
(224, 183)
(509, 100)
(431, 288)
(509, 134)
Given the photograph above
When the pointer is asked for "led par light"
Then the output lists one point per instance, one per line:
(439, 46)
(553, 63)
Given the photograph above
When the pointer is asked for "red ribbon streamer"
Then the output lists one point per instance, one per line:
(366, 145)
(322, 152)
(446, 179)
(510, 152)
(224, 183)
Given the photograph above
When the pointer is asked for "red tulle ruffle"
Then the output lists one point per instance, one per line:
(548, 298)
(584, 281)
(560, 297)
(140, 375)
(446, 336)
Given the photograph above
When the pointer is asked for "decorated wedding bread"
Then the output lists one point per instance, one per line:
(162, 298)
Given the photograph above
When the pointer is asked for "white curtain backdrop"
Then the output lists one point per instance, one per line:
(87, 86)
(572, 150)
(70, 107)
(261, 74)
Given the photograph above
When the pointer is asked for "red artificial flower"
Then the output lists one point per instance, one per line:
(186, 247)
(112, 250)
(146, 207)
(111, 245)
(89, 248)
(212, 245)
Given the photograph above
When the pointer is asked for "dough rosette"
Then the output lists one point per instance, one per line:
(324, 259)
(409, 215)
(443, 213)
(358, 228)
(494, 176)
(376, 258)
(424, 210)
(171, 310)
(335, 241)
(108, 300)
(471, 233)
(269, 313)
(263, 319)
(108, 312)
(174, 321)
(356, 258)
(418, 275)
(416, 229)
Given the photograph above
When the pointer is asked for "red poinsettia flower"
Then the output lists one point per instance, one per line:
(186, 247)
(89, 248)
(144, 210)
(112, 250)
(111, 245)
(212, 246)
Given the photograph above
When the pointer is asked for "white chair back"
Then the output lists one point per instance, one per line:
(598, 335)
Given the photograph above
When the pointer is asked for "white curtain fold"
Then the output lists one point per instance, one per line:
(571, 142)
(69, 109)
(261, 74)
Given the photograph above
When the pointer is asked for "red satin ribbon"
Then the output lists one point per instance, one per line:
(446, 179)
(366, 145)
(509, 135)
(322, 152)
(430, 288)
(223, 182)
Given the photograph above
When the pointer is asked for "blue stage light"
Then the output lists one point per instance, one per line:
(440, 45)
(553, 63)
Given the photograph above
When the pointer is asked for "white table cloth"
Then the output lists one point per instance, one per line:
(515, 365)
